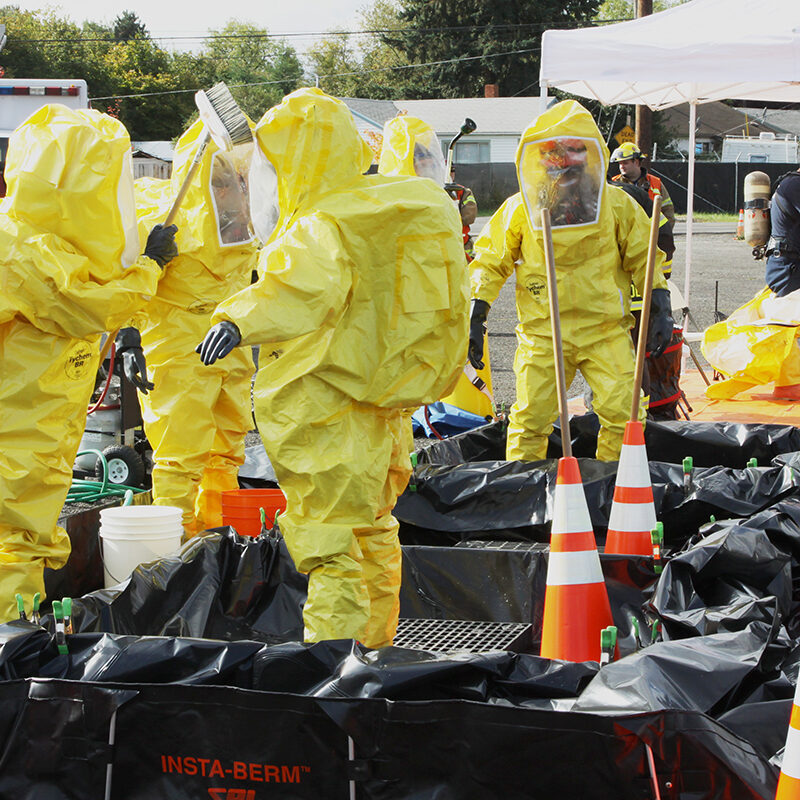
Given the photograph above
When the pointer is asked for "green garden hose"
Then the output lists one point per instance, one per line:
(89, 491)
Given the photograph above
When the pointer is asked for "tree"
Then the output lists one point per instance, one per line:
(259, 69)
(333, 66)
(625, 9)
(128, 26)
(450, 31)
(366, 68)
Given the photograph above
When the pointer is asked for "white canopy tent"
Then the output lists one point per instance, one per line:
(694, 53)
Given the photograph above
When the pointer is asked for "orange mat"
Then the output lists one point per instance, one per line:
(757, 405)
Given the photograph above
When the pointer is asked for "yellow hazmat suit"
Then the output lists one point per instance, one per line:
(401, 137)
(361, 312)
(69, 243)
(600, 238)
(756, 345)
(196, 417)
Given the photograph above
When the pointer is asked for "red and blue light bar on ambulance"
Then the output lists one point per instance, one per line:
(59, 91)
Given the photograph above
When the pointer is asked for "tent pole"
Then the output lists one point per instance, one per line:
(690, 201)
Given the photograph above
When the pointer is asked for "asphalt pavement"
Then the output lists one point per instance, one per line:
(723, 275)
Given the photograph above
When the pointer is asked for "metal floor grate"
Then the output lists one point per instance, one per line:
(451, 635)
(486, 544)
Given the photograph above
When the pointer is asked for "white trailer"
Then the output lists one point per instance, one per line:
(765, 148)
(20, 97)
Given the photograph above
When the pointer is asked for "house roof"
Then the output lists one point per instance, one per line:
(714, 121)
(377, 111)
(162, 150)
(492, 115)
(781, 120)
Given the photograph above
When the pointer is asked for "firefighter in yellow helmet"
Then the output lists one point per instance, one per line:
(70, 272)
(361, 299)
(600, 239)
(196, 417)
(632, 171)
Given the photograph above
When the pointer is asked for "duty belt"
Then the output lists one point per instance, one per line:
(781, 249)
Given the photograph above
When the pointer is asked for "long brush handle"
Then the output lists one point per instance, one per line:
(647, 294)
(555, 323)
(187, 180)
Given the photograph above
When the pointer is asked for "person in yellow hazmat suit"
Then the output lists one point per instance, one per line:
(600, 240)
(196, 417)
(411, 147)
(69, 272)
(361, 299)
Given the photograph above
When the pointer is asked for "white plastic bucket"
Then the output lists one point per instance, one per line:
(133, 535)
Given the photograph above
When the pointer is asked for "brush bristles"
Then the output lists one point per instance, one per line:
(230, 115)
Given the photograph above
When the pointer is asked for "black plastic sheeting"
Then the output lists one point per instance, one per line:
(708, 443)
(513, 500)
(188, 681)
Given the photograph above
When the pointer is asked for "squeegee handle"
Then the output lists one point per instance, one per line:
(187, 180)
(644, 319)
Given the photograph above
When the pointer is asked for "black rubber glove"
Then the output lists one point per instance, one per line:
(477, 328)
(659, 332)
(161, 245)
(219, 341)
(129, 346)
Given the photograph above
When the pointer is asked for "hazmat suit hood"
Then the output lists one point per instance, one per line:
(310, 140)
(411, 147)
(68, 237)
(69, 172)
(562, 163)
(220, 187)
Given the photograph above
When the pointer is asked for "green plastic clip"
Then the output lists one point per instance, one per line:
(753, 462)
(412, 484)
(657, 539)
(58, 616)
(635, 628)
(66, 604)
(608, 643)
(35, 616)
(655, 631)
(688, 464)
(20, 605)
(263, 517)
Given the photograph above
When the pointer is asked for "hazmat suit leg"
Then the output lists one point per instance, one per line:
(608, 365)
(341, 465)
(182, 413)
(233, 418)
(532, 415)
(46, 385)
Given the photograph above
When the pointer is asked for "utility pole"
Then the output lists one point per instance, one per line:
(644, 116)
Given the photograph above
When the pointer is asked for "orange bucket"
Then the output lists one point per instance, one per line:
(241, 509)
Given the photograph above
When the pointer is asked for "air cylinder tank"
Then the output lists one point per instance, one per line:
(756, 208)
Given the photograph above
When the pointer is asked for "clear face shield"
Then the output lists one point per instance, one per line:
(229, 193)
(263, 186)
(429, 161)
(565, 175)
(127, 208)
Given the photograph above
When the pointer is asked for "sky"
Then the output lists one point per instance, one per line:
(179, 18)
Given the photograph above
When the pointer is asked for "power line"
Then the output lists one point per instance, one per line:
(265, 35)
(332, 75)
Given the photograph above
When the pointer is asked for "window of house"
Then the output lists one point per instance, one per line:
(471, 153)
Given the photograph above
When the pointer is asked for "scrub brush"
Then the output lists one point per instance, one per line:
(224, 122)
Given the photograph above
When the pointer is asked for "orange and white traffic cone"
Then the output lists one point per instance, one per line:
(576, 607)
(633, 512)
(789, 780)
(740, 225)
